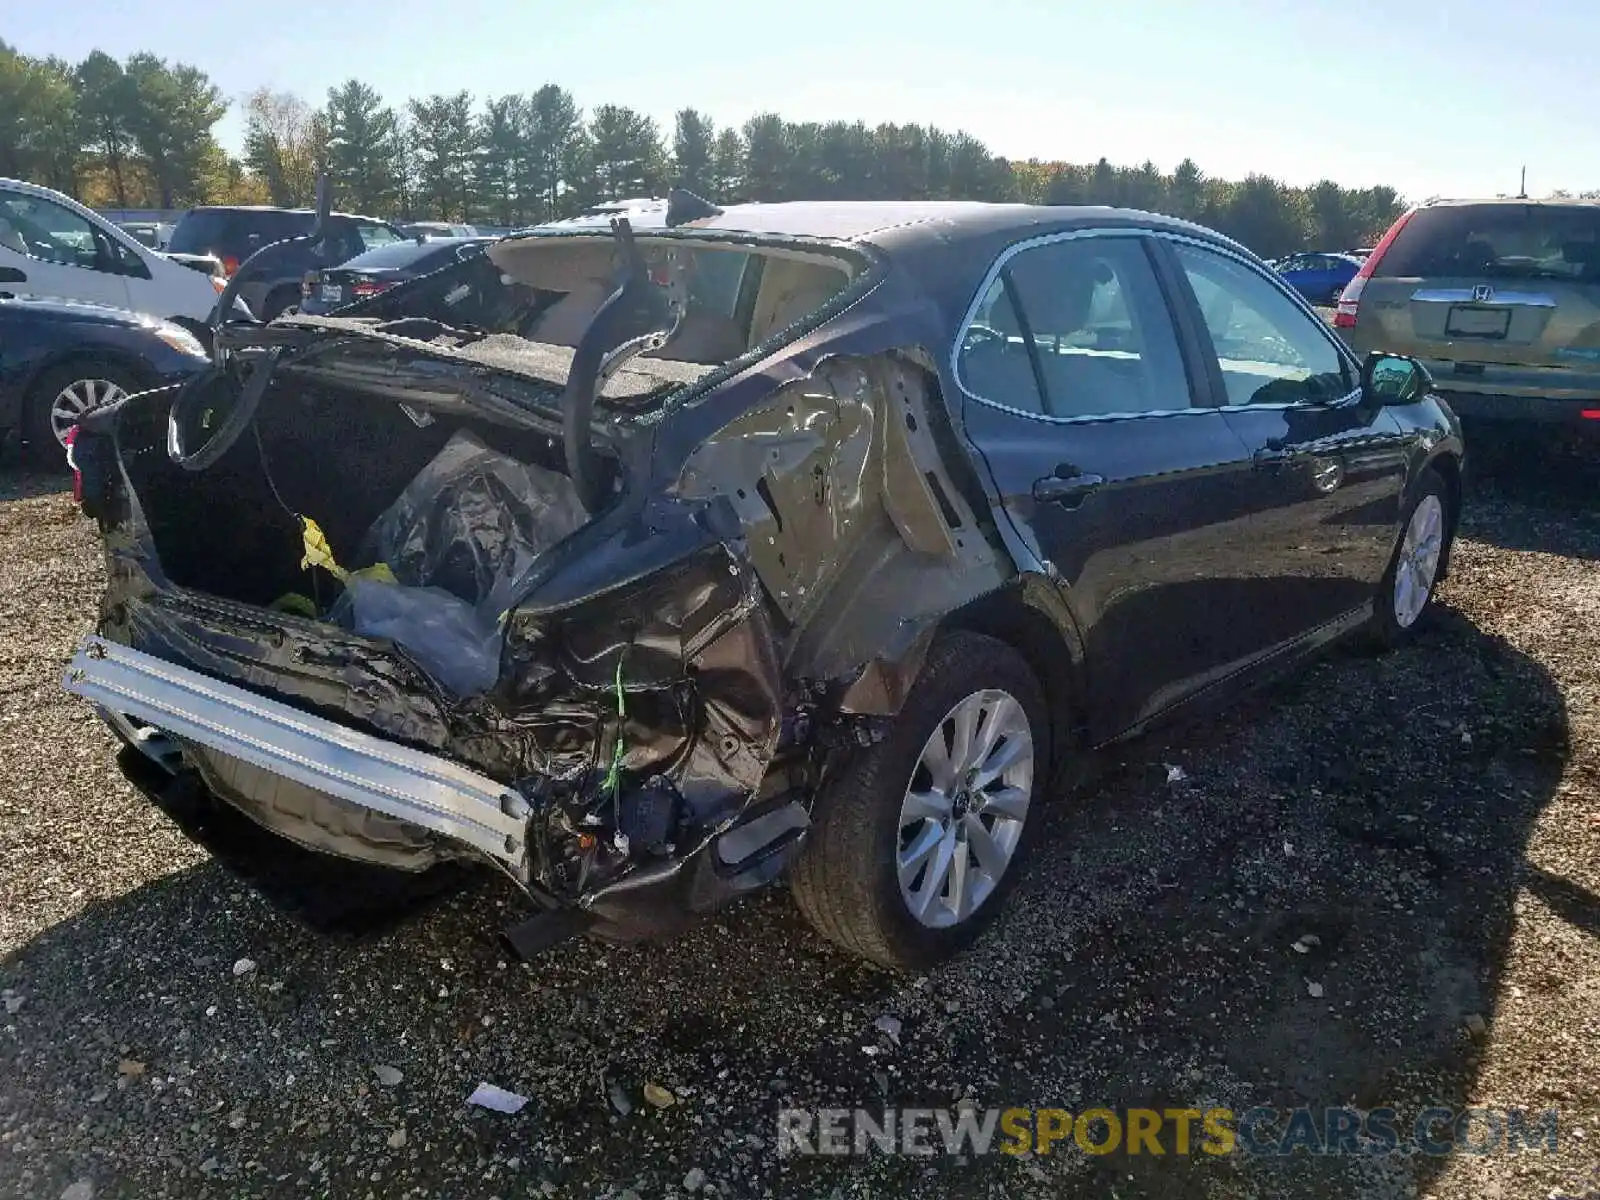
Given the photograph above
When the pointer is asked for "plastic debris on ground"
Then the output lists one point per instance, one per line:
(451, 555)
(486, 1095)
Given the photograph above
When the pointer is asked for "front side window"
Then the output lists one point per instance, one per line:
(1269, 349)
(1091, 314)
(46, 231)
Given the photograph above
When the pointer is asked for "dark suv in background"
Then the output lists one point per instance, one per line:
(1500, 299)
(233, 233)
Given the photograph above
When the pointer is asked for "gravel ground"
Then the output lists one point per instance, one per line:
(1433, 816)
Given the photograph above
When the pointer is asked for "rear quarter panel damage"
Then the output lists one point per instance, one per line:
(854, 526)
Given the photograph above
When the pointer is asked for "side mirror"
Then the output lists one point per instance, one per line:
(12, 275)
(1394, 379)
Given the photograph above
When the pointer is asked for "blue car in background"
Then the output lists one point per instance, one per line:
(1319, 277)
(59, 359)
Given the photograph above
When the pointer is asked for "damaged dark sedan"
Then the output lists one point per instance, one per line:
(818, 540)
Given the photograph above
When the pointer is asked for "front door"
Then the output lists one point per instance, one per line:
(56, 252)
(1124, 492)
(1329, 469)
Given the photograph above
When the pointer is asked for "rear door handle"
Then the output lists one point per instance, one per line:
(1070, 491)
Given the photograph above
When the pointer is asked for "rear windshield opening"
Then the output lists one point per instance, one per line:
(738, 296)
(525, 304)
(1499, 241)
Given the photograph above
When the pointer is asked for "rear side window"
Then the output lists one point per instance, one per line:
(1100, 332)
(1498, 241)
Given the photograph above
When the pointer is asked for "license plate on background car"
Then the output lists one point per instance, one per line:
(1478, 322)
(332, 293)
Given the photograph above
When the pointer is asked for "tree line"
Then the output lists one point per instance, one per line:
(141, 133)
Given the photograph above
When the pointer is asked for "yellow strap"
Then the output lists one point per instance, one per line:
(318, 552)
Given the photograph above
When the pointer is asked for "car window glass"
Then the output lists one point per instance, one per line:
(127, 261)
(1499, 242)
(372, 234)
(46, 231)
(1269, 349)
(1102, 333)
(993, 361)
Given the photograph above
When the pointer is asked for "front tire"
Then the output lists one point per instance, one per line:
(62, 395)
(920, 838)
(1404, 602)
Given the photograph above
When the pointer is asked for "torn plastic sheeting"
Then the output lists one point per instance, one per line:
(473, 522)
(448, 638)
(461, 541)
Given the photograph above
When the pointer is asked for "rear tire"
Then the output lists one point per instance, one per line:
(913, 809)
(1404, 603)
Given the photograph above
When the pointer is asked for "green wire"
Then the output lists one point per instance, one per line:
(613, 779)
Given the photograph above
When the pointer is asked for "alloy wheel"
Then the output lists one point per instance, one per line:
(1418, 563)
(962, 817)
(78, 397)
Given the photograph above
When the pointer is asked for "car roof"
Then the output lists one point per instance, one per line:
(905, 224)
(945, 246)
(1519, 201)
(273, 208)
(22, 185)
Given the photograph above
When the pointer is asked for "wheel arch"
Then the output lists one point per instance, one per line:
(1028, 616)
(70, 355)
(1447, 466)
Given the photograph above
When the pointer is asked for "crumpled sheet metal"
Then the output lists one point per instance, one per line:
(699, 674)
(859, 536)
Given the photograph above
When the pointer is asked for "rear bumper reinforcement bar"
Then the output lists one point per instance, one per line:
(368, 771)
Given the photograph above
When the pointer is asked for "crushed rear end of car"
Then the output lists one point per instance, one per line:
(578, 559)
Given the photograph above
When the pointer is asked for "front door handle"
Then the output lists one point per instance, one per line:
(1069, 490)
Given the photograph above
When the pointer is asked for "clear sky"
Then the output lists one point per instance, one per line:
(1446, 97)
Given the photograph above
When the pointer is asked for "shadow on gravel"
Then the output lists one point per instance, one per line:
(1539, 495)
(1149, 960)
(19, 484)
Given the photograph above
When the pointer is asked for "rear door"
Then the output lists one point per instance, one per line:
(1122, 490)
(1495, 297)
(1328, 468)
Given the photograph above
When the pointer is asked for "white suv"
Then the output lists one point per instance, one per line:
(50, 245)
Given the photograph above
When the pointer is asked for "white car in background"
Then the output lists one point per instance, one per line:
(52, 246)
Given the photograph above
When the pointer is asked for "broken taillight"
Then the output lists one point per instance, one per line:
(369, 287)
(230, 264)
